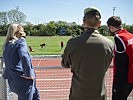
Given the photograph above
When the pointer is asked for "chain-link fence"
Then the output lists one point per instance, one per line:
(53, 82)
(5, 93)
(2, 82)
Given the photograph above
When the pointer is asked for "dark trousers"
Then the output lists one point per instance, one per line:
(121, 91)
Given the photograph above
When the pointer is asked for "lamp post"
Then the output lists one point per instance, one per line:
(114, 10)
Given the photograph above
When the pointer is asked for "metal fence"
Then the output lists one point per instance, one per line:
(3, 91)
(53, 83)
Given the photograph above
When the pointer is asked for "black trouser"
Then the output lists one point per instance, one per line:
(121, 91)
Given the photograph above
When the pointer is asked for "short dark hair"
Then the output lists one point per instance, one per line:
(114, 21)
(92, 16)
(92, 12)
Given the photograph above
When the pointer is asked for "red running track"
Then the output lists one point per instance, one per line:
(54, 82)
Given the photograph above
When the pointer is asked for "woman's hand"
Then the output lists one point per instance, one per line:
(29, 78)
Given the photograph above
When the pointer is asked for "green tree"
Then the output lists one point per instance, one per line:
(60, 25)
(16, 16)
(3, 18)
(3, 30)
(128, 27)
(104, 30)
(51, 28)
(42, 30)
(28, 28)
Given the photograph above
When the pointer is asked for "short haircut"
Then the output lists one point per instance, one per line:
(92, 16)
(114, 21)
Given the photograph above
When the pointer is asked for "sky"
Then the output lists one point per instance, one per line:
(43, 11)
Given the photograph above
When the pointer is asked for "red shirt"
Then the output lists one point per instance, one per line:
(123, 61)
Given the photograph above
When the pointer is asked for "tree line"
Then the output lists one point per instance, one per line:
(46, 29)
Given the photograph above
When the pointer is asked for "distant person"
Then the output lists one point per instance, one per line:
(19, 70)
(62, 44)
(89, 56)
(30, 48)
(123, 61)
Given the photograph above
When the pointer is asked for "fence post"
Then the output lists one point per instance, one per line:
(2, 82)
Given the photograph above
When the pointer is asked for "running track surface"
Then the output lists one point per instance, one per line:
(54, 82)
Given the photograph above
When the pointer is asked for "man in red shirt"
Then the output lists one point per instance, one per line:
(123, 60)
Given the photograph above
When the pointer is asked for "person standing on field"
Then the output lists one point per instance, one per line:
(61, 45)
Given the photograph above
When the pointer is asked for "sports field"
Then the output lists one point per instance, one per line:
(52, 47)
(52, 44)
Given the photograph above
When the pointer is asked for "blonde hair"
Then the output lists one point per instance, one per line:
(11, 33)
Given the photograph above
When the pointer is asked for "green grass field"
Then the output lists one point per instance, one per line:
(52, 44)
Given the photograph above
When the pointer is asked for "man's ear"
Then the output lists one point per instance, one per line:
(99, 24)
(83, 21)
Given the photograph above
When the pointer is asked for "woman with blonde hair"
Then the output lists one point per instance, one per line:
(19, 70)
